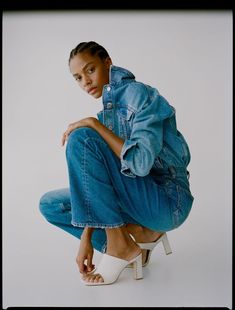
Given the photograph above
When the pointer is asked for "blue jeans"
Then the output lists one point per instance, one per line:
(100, 196)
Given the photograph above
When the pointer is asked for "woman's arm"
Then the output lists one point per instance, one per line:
(114, 142)
(87, 233)
(86, 251)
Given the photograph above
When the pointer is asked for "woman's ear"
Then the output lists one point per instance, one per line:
(108, 62)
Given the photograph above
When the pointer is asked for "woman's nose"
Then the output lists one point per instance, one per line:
(86, 81)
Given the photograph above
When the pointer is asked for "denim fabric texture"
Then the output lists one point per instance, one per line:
(148, 186)
(146, 121)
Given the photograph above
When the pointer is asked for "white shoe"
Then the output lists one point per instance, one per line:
(149, 246)
(111, 267)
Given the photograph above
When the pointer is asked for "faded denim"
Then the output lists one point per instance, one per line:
(148, 186)
(146, 121)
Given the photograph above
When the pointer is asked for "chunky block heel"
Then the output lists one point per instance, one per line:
(149, 246)
(137, 265)
(166, 244)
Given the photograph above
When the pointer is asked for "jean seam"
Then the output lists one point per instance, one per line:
(85, 182)
(87, 200)
(177, 211)
(85, 177)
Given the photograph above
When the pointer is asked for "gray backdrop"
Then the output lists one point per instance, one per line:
(188, 57)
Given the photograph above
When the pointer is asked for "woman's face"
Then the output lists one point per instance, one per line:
(90, 72)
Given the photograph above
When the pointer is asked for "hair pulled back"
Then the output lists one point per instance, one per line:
(91, 47)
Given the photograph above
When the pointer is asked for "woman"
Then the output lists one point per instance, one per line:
(128, 178)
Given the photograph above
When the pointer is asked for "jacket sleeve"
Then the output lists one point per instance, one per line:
(146, 139)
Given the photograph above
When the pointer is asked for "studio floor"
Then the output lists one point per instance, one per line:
(194, 275)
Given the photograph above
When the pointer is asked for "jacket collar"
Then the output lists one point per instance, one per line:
(118, 74)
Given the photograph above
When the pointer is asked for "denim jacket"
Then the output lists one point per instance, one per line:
(146, 122)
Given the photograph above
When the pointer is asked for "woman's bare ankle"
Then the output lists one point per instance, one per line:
(122, 246)
(143, 234)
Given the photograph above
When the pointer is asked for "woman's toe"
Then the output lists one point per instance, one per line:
(96, 278)
(99, 278)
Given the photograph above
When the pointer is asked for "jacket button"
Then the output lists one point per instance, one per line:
(109, 105)
(108, 88)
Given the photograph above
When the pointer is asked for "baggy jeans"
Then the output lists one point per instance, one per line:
(100, 196)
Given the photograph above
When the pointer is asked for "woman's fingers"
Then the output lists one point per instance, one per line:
(65, 136)
(85, 264)
(90, 266)
(81, 266)
(63, 140)
(68, 132)
(84, 269)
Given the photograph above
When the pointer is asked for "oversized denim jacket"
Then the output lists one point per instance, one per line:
(137, 113)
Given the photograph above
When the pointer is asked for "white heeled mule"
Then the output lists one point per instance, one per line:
(149, 246)
(110, 268)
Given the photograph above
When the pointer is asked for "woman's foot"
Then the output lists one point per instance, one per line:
(120, 245)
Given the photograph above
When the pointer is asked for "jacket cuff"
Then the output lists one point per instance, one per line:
(125, 169)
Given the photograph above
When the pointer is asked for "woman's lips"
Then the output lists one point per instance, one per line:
(92, 90)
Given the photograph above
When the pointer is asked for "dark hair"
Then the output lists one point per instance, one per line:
(91, 47)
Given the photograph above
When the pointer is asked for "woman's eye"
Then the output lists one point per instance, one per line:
(78, 78)
(91, 70)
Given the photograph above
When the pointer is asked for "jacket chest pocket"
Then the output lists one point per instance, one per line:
(125, 120)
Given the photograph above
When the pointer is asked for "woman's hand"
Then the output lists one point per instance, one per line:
(86, 122)
(84, 257)
(85, 253)
(114, 141)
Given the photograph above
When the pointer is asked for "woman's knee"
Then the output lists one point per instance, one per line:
(79, 137)
(81, 134)
(51, 199)
(45, 203)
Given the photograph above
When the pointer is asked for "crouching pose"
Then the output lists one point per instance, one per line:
(128, 177)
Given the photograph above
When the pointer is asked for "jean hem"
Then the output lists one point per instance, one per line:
(97, 225)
